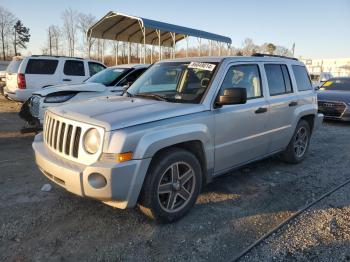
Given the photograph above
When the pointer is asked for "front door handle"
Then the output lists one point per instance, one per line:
(67, 79)
(293, 103)
(261, 110)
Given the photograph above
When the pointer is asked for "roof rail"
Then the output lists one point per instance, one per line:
(58, 56)
(280, 56)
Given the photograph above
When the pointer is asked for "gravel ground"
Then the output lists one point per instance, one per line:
(320, 234)
(230, 214)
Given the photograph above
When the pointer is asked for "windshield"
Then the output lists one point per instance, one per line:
(13, 66)
(109, 76)
(337, 84)
(180, 82)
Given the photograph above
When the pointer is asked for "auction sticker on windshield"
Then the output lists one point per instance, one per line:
(203, 66)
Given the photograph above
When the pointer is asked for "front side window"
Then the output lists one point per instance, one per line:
(41, 66)
(74, 68)
(246, 76)
(94, 68)
(278, 79)
(302, 78)
(180, 82)
(108, 77)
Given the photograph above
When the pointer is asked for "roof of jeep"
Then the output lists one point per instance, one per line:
(218, 59)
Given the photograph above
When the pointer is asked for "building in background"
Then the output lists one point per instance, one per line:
(337, 67)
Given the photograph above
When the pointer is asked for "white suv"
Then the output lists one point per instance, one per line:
(35, 72)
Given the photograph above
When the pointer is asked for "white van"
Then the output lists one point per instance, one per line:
(27, 75)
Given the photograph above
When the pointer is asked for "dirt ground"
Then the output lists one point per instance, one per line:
(231, 213)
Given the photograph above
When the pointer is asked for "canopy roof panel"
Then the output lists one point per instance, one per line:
(121, 27)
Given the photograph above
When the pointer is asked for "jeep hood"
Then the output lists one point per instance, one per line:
(82, 87)
(114, 113)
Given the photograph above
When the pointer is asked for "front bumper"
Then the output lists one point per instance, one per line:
(123, 181)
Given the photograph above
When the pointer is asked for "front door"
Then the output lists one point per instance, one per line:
(241, 133)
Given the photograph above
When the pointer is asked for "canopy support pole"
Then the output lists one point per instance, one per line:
(103, 51)
(159, 46)
(144, 45)
(200, 46)
(209, 47)
(186, 46)
(173, 36)
(152, 53)
(219, 48)
(129, 52)
(139, 49)
(116, 53)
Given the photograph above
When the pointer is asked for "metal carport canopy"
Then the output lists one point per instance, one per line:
(121, 27)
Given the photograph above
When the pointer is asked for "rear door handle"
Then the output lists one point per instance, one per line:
(67, 79)
(261, 110)
(293, 103)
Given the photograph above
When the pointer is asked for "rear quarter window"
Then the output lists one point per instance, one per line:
(13, 66)
(302, 78)
(41, 66)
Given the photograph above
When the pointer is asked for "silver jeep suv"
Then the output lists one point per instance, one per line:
(182, 123)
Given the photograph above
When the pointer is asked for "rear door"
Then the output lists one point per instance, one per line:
(241, 132)
(40, 72)
(74, 71)
(283, 104)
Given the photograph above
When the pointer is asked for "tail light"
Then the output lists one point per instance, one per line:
(21, 81)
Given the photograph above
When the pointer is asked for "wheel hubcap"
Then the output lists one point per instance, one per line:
(301, 142)
(176, 187)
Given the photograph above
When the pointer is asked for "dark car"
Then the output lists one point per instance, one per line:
(334, 99)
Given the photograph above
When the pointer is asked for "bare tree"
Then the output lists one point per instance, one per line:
(70, 25)
(7, 20)
(84, 23)
(248, 47)
(53, 40)
(281, 50)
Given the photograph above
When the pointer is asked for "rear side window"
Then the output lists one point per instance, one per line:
(95, 68)
(74, 68)
(41, 66)
(13, 66)
(302, 78)
(278, 79)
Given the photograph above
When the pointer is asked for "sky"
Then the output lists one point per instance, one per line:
(319, 28)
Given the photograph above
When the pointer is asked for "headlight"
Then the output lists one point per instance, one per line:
(59, 98)
(92, 141)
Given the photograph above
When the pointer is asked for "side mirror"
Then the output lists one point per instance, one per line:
(232, 96)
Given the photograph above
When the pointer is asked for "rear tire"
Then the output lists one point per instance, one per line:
(299, 144)
(171, 187)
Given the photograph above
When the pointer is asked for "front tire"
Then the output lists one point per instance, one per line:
(299, 144)
(172, 185)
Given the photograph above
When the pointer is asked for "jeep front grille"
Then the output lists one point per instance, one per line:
(61, 136)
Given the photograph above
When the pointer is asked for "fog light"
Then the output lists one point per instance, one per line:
(97, 180)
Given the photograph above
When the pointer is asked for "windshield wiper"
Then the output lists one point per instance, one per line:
(149, 95)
